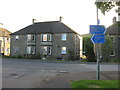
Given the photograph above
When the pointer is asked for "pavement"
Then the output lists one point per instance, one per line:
(64, 80)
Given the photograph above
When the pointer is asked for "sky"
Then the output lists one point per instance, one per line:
(77, 14)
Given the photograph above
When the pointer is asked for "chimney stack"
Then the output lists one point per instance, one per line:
(114, 20)
(60, 18)
(33, 20)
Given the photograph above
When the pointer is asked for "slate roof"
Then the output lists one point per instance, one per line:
(4, 32)
(114, 29)
(45, 27)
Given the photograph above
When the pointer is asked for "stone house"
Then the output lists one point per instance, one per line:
(4, 42)
(114, 32)
(51, 40)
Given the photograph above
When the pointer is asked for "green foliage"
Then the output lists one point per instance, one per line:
(95, 84)
(114, 60)
(72, 56)
(106, 6)
(16, 56)
(106, 48)
(88, 48)
(83, 61)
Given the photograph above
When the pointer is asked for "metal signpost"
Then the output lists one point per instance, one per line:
(97, 29)
(98, 38)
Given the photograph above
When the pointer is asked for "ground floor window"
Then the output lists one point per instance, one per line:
(46, 50)
(16, 50)
(63, 50)
(30, 49)
(112, 52)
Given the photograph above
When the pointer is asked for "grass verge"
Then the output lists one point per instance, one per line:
(95, 84)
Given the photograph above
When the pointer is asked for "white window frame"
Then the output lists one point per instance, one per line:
(46, 50)
(31, 37)
(33, 50)
(28, 37)
(16, 37)
(64, 37)
(44, 37)
(113, 38)
(113, 53)
(63, 51)
(47, 36)
(49, 50)
(16, 50)
(30, 49)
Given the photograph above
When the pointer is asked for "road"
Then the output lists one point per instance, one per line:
(18, 73)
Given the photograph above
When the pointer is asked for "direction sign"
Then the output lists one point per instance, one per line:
(97, 29)
(98, 39)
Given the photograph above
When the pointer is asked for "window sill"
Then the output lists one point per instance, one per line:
(63, 54)
(112, 55)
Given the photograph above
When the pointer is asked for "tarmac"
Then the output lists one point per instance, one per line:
(63, 80)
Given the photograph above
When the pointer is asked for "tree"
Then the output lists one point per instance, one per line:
(88, 48)
(106, 6)
(106, 48)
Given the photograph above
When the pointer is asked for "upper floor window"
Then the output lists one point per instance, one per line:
(8, 40)
(63, 50)
(113, 38)
(16, 37)
(64, 37)
(30, 38)
(46, 37)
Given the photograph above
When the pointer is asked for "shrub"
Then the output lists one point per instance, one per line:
(88, 48)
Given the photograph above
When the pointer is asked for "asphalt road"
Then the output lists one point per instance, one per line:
(30, 73)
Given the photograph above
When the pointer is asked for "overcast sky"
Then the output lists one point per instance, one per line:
(77, 14)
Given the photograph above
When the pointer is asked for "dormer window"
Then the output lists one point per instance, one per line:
(64, 37)
(16, 37)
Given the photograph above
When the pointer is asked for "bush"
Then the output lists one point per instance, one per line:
(88, 48)
(72, 56)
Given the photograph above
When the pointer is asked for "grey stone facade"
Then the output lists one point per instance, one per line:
(116, 47)
(114, 32)
(72, 44)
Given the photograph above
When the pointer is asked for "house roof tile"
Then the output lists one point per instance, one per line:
(45, 27)
(114, 29)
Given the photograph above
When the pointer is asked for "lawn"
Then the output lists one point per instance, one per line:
(95, 84)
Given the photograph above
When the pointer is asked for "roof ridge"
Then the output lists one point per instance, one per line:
(45, 27)
(45, 22)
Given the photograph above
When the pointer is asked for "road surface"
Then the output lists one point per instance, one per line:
(18, 73)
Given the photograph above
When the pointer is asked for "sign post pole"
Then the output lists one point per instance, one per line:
(98, 38)
(98, 65)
